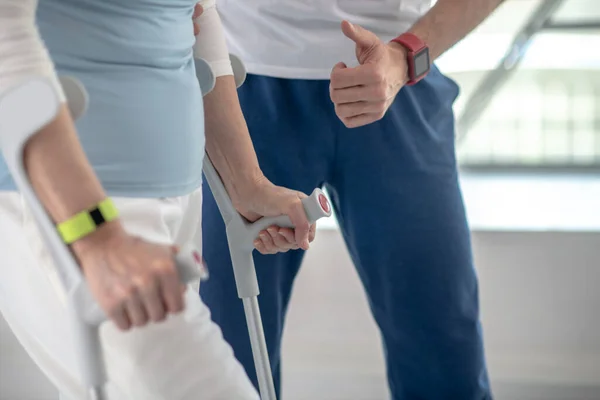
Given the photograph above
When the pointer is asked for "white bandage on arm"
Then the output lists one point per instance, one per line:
(23, 54)
(210, 43)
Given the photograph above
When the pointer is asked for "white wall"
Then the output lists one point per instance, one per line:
(540, 299)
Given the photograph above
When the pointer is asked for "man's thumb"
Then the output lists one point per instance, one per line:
(359, 35)
(339, 65)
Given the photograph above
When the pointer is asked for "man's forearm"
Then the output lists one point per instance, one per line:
(227, 140)
(449, 21)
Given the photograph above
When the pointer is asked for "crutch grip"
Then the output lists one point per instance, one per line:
(190, 268)
(316, 206)
(189, 265)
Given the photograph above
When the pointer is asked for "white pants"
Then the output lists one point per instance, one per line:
(183, 358)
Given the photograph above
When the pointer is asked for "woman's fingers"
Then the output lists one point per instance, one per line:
(136, 310)
(151, 298)
(280, 240)
(119, 316)
(198, 10)
(169, 285)
(312, 232)
(289, 236)
(276, 240)
(134, 281)
(284, 242)
(300, 221)
(268, 243)
(260, 246)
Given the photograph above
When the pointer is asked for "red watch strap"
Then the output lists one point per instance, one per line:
(410, 41)
(414, 45)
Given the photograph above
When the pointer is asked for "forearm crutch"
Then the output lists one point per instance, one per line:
(24, 110)
(240, 236)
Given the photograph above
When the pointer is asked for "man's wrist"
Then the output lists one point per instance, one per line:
(416, 53)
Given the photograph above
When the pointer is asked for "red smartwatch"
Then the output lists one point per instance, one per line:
(417, 56)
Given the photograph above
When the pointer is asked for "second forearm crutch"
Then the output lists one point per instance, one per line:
(241, 235)
(24, 110)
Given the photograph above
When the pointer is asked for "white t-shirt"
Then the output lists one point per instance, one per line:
(302, 38)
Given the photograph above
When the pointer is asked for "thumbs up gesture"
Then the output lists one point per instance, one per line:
(364, 93)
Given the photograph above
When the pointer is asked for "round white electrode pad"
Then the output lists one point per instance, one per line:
(77, 96)
(205, 76)
(239, 70)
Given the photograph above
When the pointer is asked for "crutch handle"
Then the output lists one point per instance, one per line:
(188, 264)
(241, 233)
(316, 206)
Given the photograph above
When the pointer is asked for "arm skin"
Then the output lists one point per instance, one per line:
(63, 178)
(227, 140)
(231, 150)
(449, 21)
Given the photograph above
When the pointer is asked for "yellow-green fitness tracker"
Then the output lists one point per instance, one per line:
(87, 221)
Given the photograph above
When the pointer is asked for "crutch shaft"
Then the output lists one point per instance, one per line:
(259, 349)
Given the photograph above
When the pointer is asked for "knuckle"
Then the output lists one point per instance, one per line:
(342, 112)
(178, 307)
(122, 325)
(164, 266)
(378, 74)
(141, 321)
(113, 306)
(303, 226)
(159, 317)
(144, 281)
(380, 92)
(335, 97)
(125, 292)
(294, 205)
(334, 76)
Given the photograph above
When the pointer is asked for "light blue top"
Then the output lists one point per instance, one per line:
(144, 129)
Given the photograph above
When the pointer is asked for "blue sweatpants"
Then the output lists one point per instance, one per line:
(395, 191)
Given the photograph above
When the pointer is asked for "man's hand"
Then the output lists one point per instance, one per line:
(197, 12)
(364, 93)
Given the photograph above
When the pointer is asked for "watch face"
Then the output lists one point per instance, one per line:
(421, 62)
